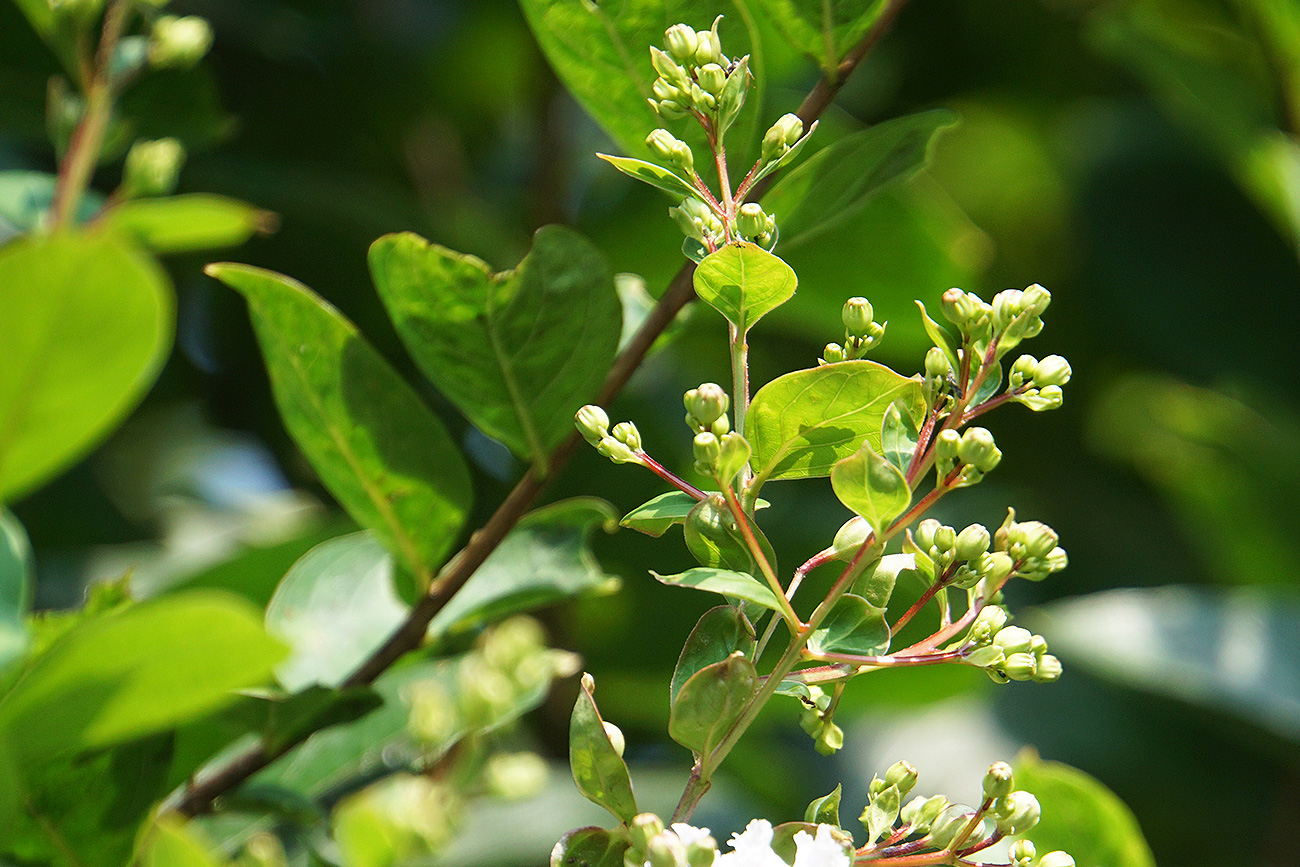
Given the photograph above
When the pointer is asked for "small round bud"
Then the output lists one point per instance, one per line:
(1051, 397)
(643, 828)
(701, 851)
(948, 826)
(668, 69)
(1038, 539)
(668, 109)
(1022, 814)
(903, 776)
(994, 617)
(849, 537)
(781, 136)
(946, 444)
(708, 451)
(720, 426)
(858, 317)
(152, 167)
(829, 740)
(1056, 859)
(179, 41)
(616, 451)
(978, 449)
(706, 403)
(925, 533)
(972, 542)
(1035, 300)
(1048, 669)
(662, 89)
(615, 735)
(751, 221)
(681, 42)
(998, 780)
(936, 363)
(1020, 666)
(1014, 639)
(711, 77)
(626, 433)
(708, 48)
(665, 850)
(1022, 370)
(1052, 370)
(592, 422)
(1022, 853)
(833, 353)
(1057, 559)
(994, 567)
(945, 539)
(735, 454)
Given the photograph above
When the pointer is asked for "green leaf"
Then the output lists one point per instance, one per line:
(719, 633)
(173, 843)
(854, 626)
(744, 282)
(656, 515)
(87, 325)
(726, 582)
(377, 448)
(598, 769)
(878, 586)
(1080, 816)
(990, 386)
(134, 671)
(334, 608)
(25, 199)
(518, 352)
(872, 487)
(801, 423)
(656, 176)
(883, 811)
(544, 560)
(709, 703)
(182, 224)
(15, 587)
(1192, 644)
(941, 337)
(601, 53)
(825, 810)
(590, 847)
(715, 540)
(837, 181)
(732, 98)
(292, 718)
(898, 436)
(825, 30)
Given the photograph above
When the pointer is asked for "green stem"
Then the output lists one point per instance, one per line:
(756, 551)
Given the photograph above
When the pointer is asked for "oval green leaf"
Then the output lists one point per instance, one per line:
(656, 176)
(87, 324)
(377, 448)
(183, 224)
(656, 515)
(598, 769)
(825, 810)
(854, 626)
(825, 30)
(801, 423)
(872, 487)
(721, 632)
(1081, 816)
(744, 282)
(590, 847)
(518, 352)
(710, 702)
(726, 582)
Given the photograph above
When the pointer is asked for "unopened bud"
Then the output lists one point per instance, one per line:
(833, 353)
(781, 136)
(1023, 813)
(936, 363)
(998, 780)
(626, 433)
(1020, 666)
(1052, 370)
(1022, 370)
(667, 68)
(643, 829)
(829, 740)
(993, 617)
(1035, 299)
(1014, 639)
(665, 850)
(616, 451)
(946, 444)
(1057, 559)
(1022, 853)
(708, 49)
(751, 221)
(1037, 538)
(708, 451)
(972, 542)
(615, 735)
(1048, 670)
(978, 449)
(945, 539)
(711, 77)
(702, 851)
(994, 567)
(1056, 859)
(857, 316)
(948, 826)
(592, 422)
(903, 776)
(707, 403)
(963, 309)
(662, 89)
(681, 42)
(152, 167)
(924, 534)
(179, 41)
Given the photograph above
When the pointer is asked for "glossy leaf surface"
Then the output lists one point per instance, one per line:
(598, 769)
(801, 423)
(726, 582)
(720, 632)
(589, 847)
(715, 540)
(518, 352)
(377, 448)
(710, 701)
(872, 487)
(825, 810)
(825, 30)
(87, 324)
(656, 176)
(854, 626)
(744, 282)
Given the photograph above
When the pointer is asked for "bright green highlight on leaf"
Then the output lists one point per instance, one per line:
(656, 176)
(86, 325)
(854, 626)
(801, 423)
(656, 515)
(744, 282)
(872, 487)
(726, 582)
(598, 769)
(377, 448)
(1081, 816)
(15, 587)
(518, 352)
(719, 633)
(183, 224)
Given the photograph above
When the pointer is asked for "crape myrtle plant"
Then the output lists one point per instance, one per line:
(356, 717)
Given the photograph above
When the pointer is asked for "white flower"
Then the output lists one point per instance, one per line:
(688, 834)
(820, 851)
(753, 848)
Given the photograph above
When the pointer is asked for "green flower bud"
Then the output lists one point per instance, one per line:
(1057, 559)
(1035, 300)
(994, 567)
(703, 101)
(152, 167)
(662, 89)
(668, 147)
(849, 538)
(986, 656)
(781, 136)
(992, 617)
(751, 221)
(858, 317)
(616, 451)
(1022, 370)
(665, 850)
(711, 77)
(179, 42)
(1006, 307)
(708, 49)
(667, 68)
(1020, 666)
(1023, 813)
(708, 451)
(829, 740)
(1014, 639)
(946, 444)
(643, 828)
(702, 851)
(720, 426)
(735, 454)
(964, 309)
(937, 364)
(696, 219)
(833, 353)
(972, 542)
(615, 735)
(978, 449)
(1052, 370)
(681, 41)
(592, 422)
(946, 828)
(1050, 397)
(707, 403)
(1049, 669)
(1056, 859)
(998, 780)
(668, 109)
(911, 812)
(925, 534)
(1037, 538)
(1022, 853)
(901, 775)
(515, 775)
(626, 433)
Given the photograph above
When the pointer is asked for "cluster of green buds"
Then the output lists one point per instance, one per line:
(862, 333)
(963, 559)
(178, 41)
(1014, 315)
(755, 225)
(780, 138)
(699, 222)
(622, 445)
(671, 149)
(885, 799)
(816, 719)
(1037, 384)
(1008, 652)
(693, 73)
(706, 409)
(486, 686)
(972, 452)
(653, 845)
(1032, 545)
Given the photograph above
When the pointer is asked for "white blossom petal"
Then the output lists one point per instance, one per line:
(820, 851)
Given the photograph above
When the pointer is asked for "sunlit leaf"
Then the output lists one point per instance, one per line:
(656, 176)
(872, 487)
(825, 30)
(719, 633)
(853, 626)
(590, 847)
(710, 701)
(180, 224)
(598, 769)
(744, 282)
(726, 582)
